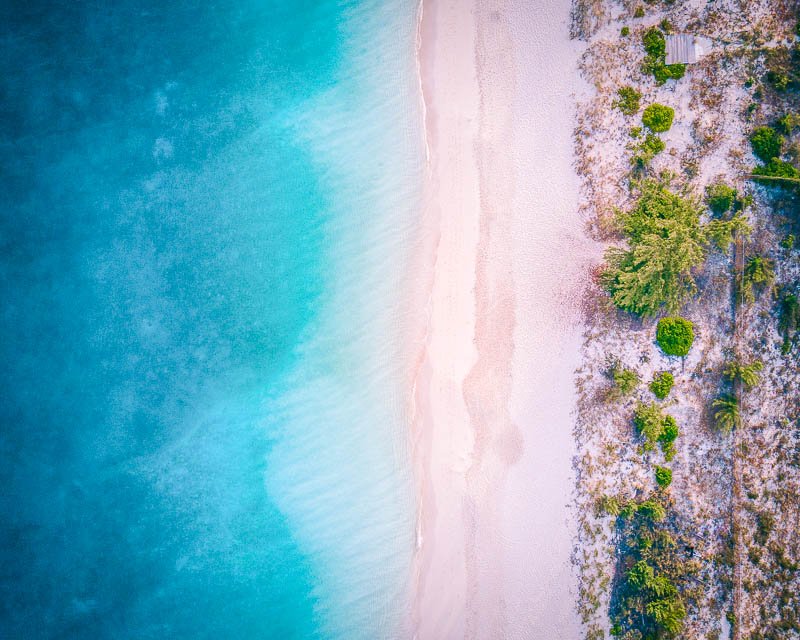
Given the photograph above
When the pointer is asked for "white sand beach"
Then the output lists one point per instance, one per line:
(493, 384)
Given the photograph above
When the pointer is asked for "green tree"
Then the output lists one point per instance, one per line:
(727, 416)
(658, 118)
(675, 336)
(666, 243)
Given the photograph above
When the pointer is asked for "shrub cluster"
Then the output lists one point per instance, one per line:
(655, 427)
(655, 45)
(675, 336)
(645, 151)
(652, 571)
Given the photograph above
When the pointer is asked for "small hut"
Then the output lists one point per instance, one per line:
(683, 49)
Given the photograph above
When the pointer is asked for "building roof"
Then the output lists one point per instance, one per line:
(682, 49)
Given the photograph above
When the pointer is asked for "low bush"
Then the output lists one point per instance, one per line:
(720, 197)
(625, 32)
(789, 122)
(720, 232)
(627, 100)
(675, 336)
(668, 436)
(758, 276)
(662, 384)
(645, 151)
(663, 476)
(777, 168)
(766, 143)
(658, 118)
(625, 381)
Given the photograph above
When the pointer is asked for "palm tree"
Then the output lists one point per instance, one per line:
(727, 415)
(747, 374)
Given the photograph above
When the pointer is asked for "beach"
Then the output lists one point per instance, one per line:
(493, 390)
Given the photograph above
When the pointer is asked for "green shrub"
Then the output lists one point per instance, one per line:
(778, 79)
(662, 384)
(666, 72)
(655, 61)
(758, 275)
(720, 232)
(788, 242)
(639, 12)
(625, 32)
(654, 42)
(625, 381)
(652, 510)
(675, 336)
(777, 168)
(628, 100)
(789, 122)
(658, 118)
(765, 523)
(720, 197)
(668, 436)
(663, 476)
(655, 426)
(646, 150)
(788, 320)
(766, 143)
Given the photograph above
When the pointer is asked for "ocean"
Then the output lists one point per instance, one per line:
(208, 213)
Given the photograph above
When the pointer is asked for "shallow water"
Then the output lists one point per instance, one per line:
(208, 213)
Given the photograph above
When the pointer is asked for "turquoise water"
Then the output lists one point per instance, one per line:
(208, 213)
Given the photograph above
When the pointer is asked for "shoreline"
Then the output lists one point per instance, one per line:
(489, 463)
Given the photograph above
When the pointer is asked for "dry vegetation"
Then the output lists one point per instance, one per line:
(734, 500)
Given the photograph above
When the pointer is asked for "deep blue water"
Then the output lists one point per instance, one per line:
(166, 231)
